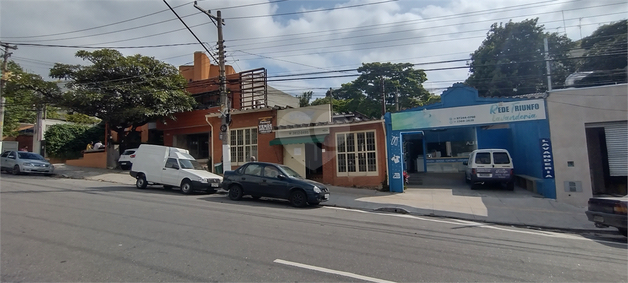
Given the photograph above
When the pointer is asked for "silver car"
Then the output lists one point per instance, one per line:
(18, 162)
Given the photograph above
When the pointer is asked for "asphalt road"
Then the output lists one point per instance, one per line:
(59, 230)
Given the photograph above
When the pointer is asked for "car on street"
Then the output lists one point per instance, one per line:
(262, 179)
(489, 166)
(608, 212)
(126, 159)
(18, 162)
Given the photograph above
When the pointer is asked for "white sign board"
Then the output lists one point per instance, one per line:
(503, 112)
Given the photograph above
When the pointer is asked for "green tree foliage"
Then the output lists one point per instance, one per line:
(68, 140)
(79, 118)
(510, 60)
(122, 91)
(22, 93)
(605, 49)
(364, 94)
(304, 99)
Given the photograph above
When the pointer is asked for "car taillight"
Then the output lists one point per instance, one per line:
(473, 171)
(132, 155)
(512, 172)
(620, 208)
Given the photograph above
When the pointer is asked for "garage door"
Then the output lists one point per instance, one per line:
(617, 146)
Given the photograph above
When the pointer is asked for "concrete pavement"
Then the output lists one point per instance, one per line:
(452, 198)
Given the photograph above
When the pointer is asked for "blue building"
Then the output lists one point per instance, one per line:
(439, 137)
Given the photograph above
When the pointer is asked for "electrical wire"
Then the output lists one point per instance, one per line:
(311, 11)
(186, 25)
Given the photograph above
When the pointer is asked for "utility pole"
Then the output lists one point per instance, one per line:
(225, 107)
(547, 65)
(331, 102)
(383, 98)
(2, 79)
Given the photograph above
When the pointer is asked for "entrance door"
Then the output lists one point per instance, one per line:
(294, 157)
(313, 161)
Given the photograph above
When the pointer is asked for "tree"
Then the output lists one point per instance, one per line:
(364, 94)
(304, 99)
(22, 92)
(79, 118)
(125, 92)
(511, 60)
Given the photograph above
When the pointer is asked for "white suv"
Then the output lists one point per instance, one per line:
(126, 159)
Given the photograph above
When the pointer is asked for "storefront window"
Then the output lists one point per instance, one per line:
(356, 152)
(243, 145)
(454, 143)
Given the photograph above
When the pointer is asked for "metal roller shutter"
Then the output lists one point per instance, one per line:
(617, 145)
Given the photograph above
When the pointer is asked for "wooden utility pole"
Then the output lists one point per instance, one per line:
(2, 80)
(225, 107)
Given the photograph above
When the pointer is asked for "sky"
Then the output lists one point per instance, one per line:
(288, 37)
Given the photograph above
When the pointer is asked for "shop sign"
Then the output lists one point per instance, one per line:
(265, 125)
(503, 112)
(301, 132)
(547, 159)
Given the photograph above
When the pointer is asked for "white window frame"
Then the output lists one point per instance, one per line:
(244, 146)
(357, 151)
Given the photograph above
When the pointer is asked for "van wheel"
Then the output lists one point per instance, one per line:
(235, 192)
(140, 181)
(186, 187)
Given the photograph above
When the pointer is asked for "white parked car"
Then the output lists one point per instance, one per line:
(18, 162)
(126, 159)
(171, 167)
(487, 166)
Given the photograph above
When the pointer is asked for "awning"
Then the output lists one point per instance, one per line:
(296, 140)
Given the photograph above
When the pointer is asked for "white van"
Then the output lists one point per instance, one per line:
(490, 166)
(171, 167)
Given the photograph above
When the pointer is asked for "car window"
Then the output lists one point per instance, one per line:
(253, 169)
(128, 152)
(12, 155)
(483, 158)
(4, 154)
(271, 172)
(500, 158)
(291, 172)
(30, 156)
(172, 163)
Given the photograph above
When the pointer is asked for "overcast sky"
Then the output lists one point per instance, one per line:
(290, 36)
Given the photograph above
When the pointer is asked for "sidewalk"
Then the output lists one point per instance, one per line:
(454, 200)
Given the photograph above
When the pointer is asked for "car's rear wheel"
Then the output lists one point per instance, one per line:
(140, 181)
(623, 231)
(186, 187)
(16, 170)
(298, 198)
(235, 192)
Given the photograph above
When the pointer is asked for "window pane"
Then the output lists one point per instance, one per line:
(240, 154)
(254, 152)
(340, 142)
(350, 142)
(372, 162)
(361, 142)
(253, 136)
(240, 134)
(232, 136)
(247, 136)
(342, 162)
(500, 158)
(362, 162)
(233, 154)
(370, 141)
(247, 153)
(483, 158)
(351, 162)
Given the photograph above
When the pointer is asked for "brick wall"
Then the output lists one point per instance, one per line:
(330, 175)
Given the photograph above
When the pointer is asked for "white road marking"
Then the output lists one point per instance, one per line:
(487, 225)
(331, 271)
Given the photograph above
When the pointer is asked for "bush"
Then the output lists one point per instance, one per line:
(67, 141)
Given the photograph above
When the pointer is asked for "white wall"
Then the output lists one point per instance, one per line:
(304, 115)
(568, 112)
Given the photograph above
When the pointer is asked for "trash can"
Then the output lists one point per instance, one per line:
(218, 168)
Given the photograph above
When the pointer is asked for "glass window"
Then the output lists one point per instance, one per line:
(356, 152)
(172, 163)
(253, 169)
(500, 158)
(5, 154)
(291, 172)
(271, 172)
(30, 156)
(190, 164)
(483, 158)
(128, 152)
(243, 145)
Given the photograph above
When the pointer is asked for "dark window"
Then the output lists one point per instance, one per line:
(271, 172)
(253, 169)
(128, 152)
(5, 154)
(12, 155)
(172, 163)
(30, 156)
(500, 158)
(483, 158)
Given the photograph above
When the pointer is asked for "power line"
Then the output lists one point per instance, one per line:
(311, 11)
(102, 47)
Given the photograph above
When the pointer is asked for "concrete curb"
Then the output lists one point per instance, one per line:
(526, 226)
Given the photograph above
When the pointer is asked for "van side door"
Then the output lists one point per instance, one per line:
(170, 173)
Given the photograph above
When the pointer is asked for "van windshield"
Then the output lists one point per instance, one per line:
(501, 158)
(190, 164)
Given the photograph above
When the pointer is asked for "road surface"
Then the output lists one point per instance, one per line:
(59, 230)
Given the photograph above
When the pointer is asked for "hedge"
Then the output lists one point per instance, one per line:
(67, 141)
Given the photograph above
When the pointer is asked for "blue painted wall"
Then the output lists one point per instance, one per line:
(522, 139)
